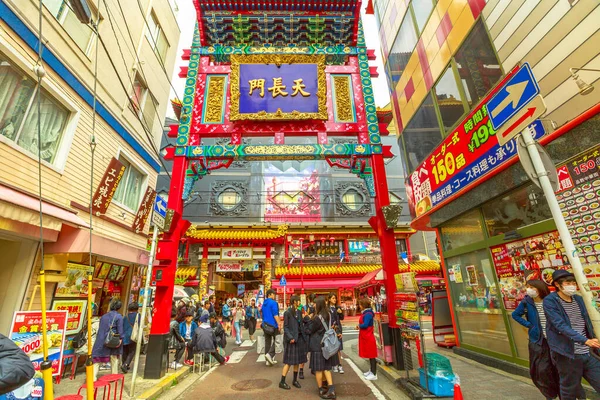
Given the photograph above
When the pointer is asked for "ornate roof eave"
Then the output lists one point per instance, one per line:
(323, 270)
(421, 267)
(231, 234)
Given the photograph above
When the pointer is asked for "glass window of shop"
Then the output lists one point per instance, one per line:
(422, 10)
(449, 99)
(477, 64)
(422, 134)
(462, 231)
(477, 302)
(522, 207)
(402, 49)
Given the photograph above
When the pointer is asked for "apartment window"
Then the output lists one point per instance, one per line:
(449, 99)
(80, 33)
(402, 49)
(19, 113)
(477, 64)
(157, 38)
(422, 10)
(142, 102)
(138, 93)
(130, 189)
(422, 134)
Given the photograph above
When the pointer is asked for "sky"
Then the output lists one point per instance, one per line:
(186, 17)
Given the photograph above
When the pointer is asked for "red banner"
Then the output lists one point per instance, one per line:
(107, 187)
(144, 211)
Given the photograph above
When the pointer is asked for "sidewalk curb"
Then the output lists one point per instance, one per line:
(164, 384)
(388, 372)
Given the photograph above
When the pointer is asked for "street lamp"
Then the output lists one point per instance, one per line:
(584, 87)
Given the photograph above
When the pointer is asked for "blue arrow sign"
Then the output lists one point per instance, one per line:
(513, 96)
(160, 206)
(282, 281)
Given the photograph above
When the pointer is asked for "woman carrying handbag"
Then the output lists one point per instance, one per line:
(108, 345)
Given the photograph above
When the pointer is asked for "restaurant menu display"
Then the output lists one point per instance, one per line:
(535, 257)
(579, 199)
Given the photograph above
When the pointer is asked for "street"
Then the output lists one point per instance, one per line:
(247, 376)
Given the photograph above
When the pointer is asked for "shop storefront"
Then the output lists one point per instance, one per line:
(500, 233)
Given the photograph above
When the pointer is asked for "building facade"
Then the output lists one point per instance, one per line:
(443, 61)
(136, 54)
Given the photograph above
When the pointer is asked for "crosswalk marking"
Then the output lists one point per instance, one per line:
(247, 343)
(261, 358)
(236, 357)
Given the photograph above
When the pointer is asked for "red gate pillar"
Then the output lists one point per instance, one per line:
(163, 276)
(387, 240)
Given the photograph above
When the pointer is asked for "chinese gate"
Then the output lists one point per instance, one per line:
(278, 68)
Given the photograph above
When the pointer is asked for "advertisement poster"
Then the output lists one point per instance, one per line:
(292, 195)
(250, 266)
(241, 289)
(103, 270)
(75, 285)
(457, 273)
(114, 272)
(362, 247)
(535, 257)
(229, 266)
(472, 275)
(579, 199)
(76, 313)
(26, 332)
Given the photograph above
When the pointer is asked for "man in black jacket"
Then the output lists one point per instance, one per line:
(15, 367)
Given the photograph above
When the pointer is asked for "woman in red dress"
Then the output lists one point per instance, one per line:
(367, 347)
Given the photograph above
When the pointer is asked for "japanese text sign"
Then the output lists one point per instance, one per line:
(76, 313)
(279, 88)
(229, 266)
(466, 155)
(236, 253)
(26, 332)
(107, 187)
(144, 211)
(76, 282)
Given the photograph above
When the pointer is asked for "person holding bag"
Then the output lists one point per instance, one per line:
(130, 335)
(319, 328)
(108, 346)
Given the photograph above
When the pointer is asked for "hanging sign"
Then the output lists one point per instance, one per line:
(229, 266)
(236, 253)
(144, 211)
(107, 187)
(76, 313)
(465, 156)
(278, 87)
(26, 332)
(76, 282)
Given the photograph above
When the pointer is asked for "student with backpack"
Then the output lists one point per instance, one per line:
(323, 345)
(367, 347)
(294, 352)
(109, 339)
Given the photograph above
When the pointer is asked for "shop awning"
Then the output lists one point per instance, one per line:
(75, 240)
(369, 278)
(319, 283)
(24, 208)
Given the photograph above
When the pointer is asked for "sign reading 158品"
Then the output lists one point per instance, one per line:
(466, 155)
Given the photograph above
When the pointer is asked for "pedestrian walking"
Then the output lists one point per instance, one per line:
(294, 352)
(252, 316)
(128, 344)
(109, 339)
(270, 325)
(367, 347)
(319, 364)
(176, 341)
(338, 315)
(239, 314)
(16, 368)
(541, 367)
(211, 300)
(186, 330)
(226, 315)
(204, 340)
(204, 310)
(571, 337)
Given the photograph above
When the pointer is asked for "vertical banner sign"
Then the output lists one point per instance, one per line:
(107, 187)
(144, 211)
(26, 332)
(468, 154)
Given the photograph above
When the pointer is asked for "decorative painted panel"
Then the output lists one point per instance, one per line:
(343, 98)
(215, 95)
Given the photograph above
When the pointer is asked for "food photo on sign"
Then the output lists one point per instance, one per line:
(26, 332)
(75, 284)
